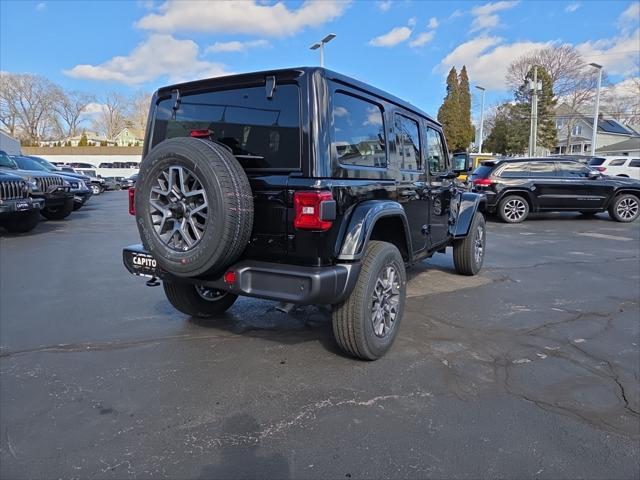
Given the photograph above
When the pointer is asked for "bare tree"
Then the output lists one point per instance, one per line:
(26, 103)
(70, 108)
(574, 82)
(138, 112)
(112, 118)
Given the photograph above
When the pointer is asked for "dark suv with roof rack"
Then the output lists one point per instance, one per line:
(302, 186)
(515, 187)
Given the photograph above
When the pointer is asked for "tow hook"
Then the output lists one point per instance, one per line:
(153, 282)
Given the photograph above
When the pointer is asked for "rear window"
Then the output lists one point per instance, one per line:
(594, 162)
(482, 171)
(515, 170)
(262, 133)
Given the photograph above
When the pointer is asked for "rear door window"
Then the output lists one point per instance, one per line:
(515, 170)
(542, 169)
(358, 132)
(635, 163)
(618, 162)
(573, 170)
(435, 152)
(263, 133)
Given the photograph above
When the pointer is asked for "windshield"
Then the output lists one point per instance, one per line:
(26, 163)
(50, 167)
(6, 162)
(262, 133)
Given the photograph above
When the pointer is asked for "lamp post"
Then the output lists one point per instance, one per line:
(481, 118)
(320, 45)
(594, 137)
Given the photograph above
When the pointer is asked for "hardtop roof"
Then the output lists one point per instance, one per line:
(296, 72)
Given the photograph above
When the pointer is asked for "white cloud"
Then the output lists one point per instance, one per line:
(572, 7)
(42, 6)
(391, 38)
(219, 47)
(247, 17)
(94, 108)
(618, 55)
(487, 59)
(158, 56)
(422, 39)
(433, 23)
(485, 16)
(456, 13)
(630, 18)
(385, 5)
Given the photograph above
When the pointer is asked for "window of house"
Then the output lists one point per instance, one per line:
(576, 130)
(435, 152)
(542, 169)
(408, 143)
(358, 132)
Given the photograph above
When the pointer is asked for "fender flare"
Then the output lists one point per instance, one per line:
(620, 191)
(468, 204)
(523, 192)
(362, 223)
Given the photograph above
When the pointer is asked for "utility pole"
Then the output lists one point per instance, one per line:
(535, 87)
(481, 119)
(594, 137)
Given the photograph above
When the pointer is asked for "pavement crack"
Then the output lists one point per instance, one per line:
(106, 346)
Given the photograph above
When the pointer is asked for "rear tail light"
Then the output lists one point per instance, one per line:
(601, 169)
(230, 277)
(201, 133)
(132, 201)
(483, 182)
(313, 210)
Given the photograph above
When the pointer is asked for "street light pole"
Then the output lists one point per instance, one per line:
(535, 87)
(320, 45)
(481, 119)
(594, 137)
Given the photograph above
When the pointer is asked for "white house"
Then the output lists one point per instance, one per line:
(610, 131)
(630, 148)
(9, 144)
(127, 138)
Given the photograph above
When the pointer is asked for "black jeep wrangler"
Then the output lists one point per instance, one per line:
(19, 212)
(299, 185)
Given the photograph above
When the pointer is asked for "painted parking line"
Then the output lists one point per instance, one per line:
(605, 236)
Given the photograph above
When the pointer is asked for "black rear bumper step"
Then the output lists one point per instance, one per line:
(269, 280)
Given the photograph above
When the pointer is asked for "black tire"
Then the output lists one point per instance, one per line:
(96, 189)
(192, 300)
(118, 186)
(625, 208)
(353, 326)
(513, 209)
(22, 222)
(229, 219)
(58, 213)
(468, 252)
(77, 206)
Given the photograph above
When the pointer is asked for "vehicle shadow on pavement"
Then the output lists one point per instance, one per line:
(262, 319)
(240, 455)
(44, 226)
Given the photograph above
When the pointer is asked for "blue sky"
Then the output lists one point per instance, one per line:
(403, 46)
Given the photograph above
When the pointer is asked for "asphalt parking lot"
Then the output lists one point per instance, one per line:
(529, 370)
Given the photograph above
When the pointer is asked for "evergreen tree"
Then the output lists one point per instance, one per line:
(509, 135)
(547, 132)
(83, 140)
(449, 114)
(468, 130)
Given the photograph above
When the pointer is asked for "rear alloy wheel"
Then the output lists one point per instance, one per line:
(625, 208)
(198, 300)
(366, 323)
(513, 209)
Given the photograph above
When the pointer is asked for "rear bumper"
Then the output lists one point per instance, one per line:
(273, 281)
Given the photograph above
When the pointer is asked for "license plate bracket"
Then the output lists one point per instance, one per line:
(141, 264)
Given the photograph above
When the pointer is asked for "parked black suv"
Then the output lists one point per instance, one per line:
(53, 189)
(515, 187)
(19, 213)
(299, 185)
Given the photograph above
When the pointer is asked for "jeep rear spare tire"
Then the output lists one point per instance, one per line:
(194, 206)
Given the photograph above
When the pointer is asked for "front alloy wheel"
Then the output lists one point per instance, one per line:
(179, 208)
(625, 208)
